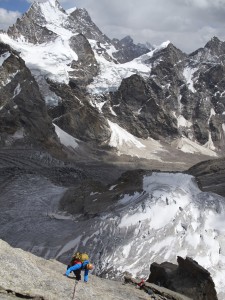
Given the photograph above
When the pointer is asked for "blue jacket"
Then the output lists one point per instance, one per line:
(81, 266)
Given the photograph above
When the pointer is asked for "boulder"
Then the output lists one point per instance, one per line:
(187, 278)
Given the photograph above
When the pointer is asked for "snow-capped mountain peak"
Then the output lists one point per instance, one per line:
(72, 50)
(71, 10)
(48, 12)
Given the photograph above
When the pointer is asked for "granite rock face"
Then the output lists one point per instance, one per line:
(24, 275)
(188, 278)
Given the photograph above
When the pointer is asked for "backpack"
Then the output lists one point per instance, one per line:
(80, 257)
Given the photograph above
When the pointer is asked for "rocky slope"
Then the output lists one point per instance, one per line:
(210, 175)
(24, 275)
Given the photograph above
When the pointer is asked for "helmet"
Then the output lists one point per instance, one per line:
(89, 266)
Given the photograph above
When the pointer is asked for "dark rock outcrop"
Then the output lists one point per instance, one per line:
(32, 26)
(86, 67)
(22, 106)
(76, 116)
(127, 50)
(80, 21)
(210, 175)
(188, 278)
(154, 291)
(137, 110)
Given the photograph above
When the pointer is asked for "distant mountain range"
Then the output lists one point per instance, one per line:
(99, 90)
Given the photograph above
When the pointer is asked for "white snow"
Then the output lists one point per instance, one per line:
(210, 145)
(51, 12)
(98, 105)
(164, 45)
(110, 49)
(188, 74)
(112, 187)
(9, 78)
(212, 113)
(111, 74)
(3, 57)
(188, 146)
(51, 60)
(17, 90)
(127, 144)
(120, 136)
(112, 111)
(66, 139)
(71, 10)
(182, 122)
(171, 217)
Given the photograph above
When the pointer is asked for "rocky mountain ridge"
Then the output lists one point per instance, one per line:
(161, 94)
(22, 108)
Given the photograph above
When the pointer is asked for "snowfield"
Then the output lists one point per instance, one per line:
(170, 217)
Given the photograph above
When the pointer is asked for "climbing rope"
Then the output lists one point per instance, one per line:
(74, 290)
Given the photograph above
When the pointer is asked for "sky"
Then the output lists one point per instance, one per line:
(188, 24)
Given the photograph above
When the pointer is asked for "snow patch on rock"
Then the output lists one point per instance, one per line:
(3, 57)
(65, 138)
(188, 146)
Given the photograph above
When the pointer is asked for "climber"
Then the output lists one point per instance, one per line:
(80, 262)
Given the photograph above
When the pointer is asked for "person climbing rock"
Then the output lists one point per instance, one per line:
(79, 262)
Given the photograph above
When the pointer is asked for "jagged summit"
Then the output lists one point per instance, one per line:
(214, 41)
(51, 10)
(38, 23)
(71, 10)
(82, 22)
(213, 51)
(44, 21)
(127, 40)
(127, 50)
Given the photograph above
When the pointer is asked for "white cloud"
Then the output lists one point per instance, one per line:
(205, 3)
(7, 18)
(188, 24)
